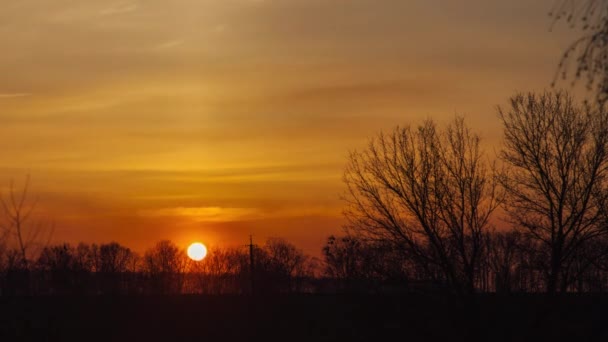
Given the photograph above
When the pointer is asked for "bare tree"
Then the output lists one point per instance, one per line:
(503, 248)
(224, 270)
(283, 264)
(589, 53)
(556, 154)
(430, 193)
(19, 224)
(114, 258)
(60, 263)
(341, 258)
(359, 265)
(165, 263)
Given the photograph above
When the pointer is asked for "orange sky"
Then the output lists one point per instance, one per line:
(215, 119)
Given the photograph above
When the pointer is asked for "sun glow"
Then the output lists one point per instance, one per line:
(197, 251)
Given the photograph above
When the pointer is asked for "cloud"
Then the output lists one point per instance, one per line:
(238, 214)
(404, 88)
(207, 214)
(13, 95)
(219, 28)
(169, 44)
(119, 9)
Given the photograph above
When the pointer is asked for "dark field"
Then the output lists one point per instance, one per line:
(304, 318)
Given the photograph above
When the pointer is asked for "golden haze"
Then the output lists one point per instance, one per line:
(212, 120)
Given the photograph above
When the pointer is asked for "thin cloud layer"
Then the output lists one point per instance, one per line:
(240, 113)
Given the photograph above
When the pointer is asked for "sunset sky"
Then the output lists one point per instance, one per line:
(212, 120)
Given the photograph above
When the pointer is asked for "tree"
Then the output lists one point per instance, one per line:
(18, 209)
(114, 258)
(585, 271)
(430, 193)
(590, 51)
(222, 271)
(359, 265)
(165, 263)
(344, 262)
(556, 158)
(115, 264)
(514, 263)
(60, 263)
(282, 264)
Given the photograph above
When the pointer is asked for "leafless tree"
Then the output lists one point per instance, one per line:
(4, 249)
(114, 258)
(585, 271)
(222, 271)
(283, 263)
(84, 257)
(359, 265)
(283, 260)
(165, 263)
(556, 154)
(341, 257)
(589, 53)
(59, 263)
(429, 192)
(19, 224)
(116, 266)
(514, 263)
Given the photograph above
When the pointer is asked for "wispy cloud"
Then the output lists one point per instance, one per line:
(219, 28)
(207, 214)
(233, 214)
(13, 95)
(170, 44)
(119, 9)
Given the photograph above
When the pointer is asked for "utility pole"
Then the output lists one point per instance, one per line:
(251, 265)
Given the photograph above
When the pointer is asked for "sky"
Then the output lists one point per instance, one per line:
(211, 120)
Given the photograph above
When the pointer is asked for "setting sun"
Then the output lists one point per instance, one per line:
(197, 251)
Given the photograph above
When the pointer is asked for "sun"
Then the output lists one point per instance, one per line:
(197, 251)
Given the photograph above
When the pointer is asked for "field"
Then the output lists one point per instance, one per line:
(304, 318)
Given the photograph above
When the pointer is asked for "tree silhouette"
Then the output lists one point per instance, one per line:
(502, 249)
(513, 261)
(62, 270)
(18, 208)
(556, 154)
(165, 264)
(282, 264)
(428, 192)
(224, 270)
(364, 266)
(589, 53)
(113, 265)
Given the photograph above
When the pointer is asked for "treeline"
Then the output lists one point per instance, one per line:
(64, 269)
(535, 218)
(349, 265)
(426, 210)
(513, 263)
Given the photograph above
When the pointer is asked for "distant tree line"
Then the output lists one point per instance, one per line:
(427, 210)
(279, 267)
(514, 263)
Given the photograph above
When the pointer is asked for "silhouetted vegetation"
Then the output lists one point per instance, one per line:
(427, 195)
(556, 181)
(587, 56)
(422, 217)
(163, 269)
(428, 192)
(442, 241)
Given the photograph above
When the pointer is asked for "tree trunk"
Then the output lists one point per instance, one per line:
(552, 280)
